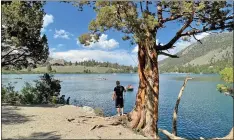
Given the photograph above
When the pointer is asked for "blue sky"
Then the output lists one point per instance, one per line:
(63, 24)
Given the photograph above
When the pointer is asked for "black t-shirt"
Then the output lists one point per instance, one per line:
(119, 91)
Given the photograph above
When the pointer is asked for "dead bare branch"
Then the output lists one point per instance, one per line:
(174, 125)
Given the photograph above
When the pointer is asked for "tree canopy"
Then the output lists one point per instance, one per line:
(140, 22)
(136, 19)
(22, 43)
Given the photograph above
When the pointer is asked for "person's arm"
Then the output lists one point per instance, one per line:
(124, 89)
(114, 96)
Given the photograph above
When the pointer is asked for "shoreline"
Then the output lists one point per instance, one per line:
(61, 122)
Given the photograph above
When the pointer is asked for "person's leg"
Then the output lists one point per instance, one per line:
(121, 106)
(118, 110)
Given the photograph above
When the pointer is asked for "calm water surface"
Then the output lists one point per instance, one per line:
(203, 111)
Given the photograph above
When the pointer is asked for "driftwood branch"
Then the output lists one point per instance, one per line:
(169, 135)
(174, 125)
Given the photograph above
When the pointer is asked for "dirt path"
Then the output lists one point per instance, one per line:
(64, 122)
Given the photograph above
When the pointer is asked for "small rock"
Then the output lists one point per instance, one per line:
(120, 133)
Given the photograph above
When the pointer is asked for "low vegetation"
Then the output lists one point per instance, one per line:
(90, 66)
(227, 76)
(44, 91)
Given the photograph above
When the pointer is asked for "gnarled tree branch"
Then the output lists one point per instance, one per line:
(170, 55)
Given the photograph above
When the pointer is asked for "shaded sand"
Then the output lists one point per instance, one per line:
(61, 122)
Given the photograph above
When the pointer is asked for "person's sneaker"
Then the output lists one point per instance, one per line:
(118, 114)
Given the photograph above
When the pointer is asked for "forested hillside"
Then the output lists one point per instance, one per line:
(214, 54)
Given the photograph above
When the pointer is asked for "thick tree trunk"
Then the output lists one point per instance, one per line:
(144, 117)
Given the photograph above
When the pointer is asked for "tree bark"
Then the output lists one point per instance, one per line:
(174, 123)
(144, 117)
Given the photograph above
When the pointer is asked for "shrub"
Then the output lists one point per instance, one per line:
(46, 90)
(28, 94)
(9, 95)
(47, 87)
(54, 100)
(29, 69)
(49, 68)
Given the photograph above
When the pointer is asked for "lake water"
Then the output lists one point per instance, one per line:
(203, 111)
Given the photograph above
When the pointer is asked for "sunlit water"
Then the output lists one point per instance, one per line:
(203, 111)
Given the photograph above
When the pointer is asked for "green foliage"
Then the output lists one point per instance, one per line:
(29, 69)
(29, 94)
(138, 20)
(9, 95)
(118, 68)
(87, 71)
(49, 68)
(47, 87)
(22, 43)
(227, 76)
(76, 63)
(54, 100)
(44, 91)
(213, 55)
(70, 63)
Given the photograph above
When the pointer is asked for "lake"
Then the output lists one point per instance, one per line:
(203, 111)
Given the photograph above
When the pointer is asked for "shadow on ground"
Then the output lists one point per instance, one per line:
(11, 116)
(42, 135)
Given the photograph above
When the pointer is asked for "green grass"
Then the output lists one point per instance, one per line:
(60, 69)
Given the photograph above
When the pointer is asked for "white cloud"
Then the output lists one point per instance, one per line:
(135, 50)
(103, 43)
(60, 45)
(180, 44)
(78, 42)
(47, 19)
(62, 34)
(119, 56)
(52, 50)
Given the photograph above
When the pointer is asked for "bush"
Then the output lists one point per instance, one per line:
(54, 100)
(49, 68)
(9, 95)
(47, 87)
(29, 69)
(46, 90)
(29, 95)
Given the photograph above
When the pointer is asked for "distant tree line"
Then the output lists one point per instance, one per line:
(206, 69)
(94, 63)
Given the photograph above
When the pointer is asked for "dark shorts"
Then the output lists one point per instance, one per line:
(119, 103)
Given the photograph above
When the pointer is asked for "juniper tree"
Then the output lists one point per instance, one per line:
(140, 22)
(22, 43)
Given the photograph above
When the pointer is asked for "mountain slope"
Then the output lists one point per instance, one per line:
(215, 52)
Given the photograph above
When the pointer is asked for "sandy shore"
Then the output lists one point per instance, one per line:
(61, 122)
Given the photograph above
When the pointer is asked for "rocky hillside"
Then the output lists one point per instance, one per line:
(215, 53)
